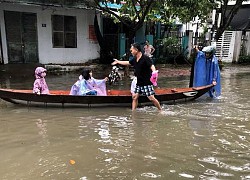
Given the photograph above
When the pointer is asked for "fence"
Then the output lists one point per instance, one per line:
(228, 46)
(173, 46)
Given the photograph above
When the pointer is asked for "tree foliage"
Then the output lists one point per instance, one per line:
(227, 15)
(131, 13)
(185, 10)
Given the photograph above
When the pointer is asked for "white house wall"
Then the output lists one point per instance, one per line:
(3, 37)
(248, 43)
(86, 49)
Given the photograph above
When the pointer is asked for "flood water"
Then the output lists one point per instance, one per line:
(203, 139)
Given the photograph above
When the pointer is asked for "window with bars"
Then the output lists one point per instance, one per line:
(64, 31)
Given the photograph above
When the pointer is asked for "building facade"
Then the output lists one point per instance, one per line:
(46, 34)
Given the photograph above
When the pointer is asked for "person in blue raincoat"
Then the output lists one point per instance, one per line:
(207, 71)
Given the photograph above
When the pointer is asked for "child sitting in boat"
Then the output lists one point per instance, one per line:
(87, 85)
(40, 86)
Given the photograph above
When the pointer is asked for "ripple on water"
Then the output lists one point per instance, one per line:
(214, 173)
(150, 175)
(84, 178)
(224, 166)
(150, 157)
(186, 175)
(247, 177)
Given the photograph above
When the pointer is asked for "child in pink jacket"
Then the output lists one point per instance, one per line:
(40, 85)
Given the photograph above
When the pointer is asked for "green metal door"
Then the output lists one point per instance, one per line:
(21, 33)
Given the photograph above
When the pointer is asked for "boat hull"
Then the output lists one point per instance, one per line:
(114, 97)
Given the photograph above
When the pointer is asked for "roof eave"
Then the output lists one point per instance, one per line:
(35, 3)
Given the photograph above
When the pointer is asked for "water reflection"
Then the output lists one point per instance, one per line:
(204, 139)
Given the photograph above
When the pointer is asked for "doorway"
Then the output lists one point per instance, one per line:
(21, 34)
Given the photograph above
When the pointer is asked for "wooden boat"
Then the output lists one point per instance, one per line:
(114, 97)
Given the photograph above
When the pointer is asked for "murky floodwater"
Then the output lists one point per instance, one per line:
(204, 139)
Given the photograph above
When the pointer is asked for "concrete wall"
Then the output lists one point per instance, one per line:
(1, 53)
(237, 46)
(86, 49)
(248, 43)
(3, 36)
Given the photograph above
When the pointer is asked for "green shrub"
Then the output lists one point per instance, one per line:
(244, 59)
